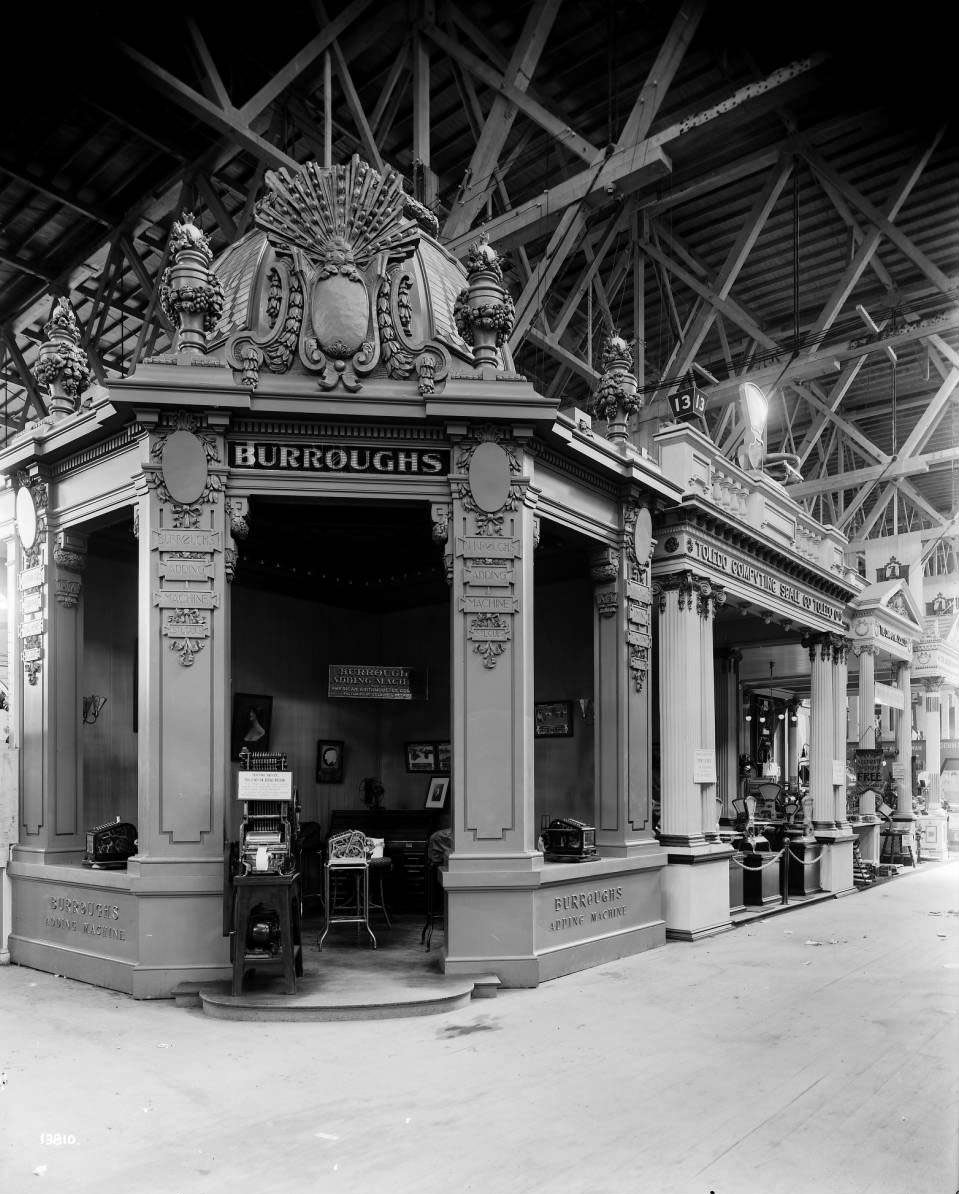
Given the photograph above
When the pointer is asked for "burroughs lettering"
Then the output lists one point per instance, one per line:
(335, 458)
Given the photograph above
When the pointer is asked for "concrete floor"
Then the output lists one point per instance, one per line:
(811, 1052)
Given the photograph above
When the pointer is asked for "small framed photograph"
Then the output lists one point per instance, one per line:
(553, 719)
(252, 717)
(436, 791)
(421, 756)
(329, 761)
(444, 757)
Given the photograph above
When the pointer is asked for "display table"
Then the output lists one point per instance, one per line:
(279, 894)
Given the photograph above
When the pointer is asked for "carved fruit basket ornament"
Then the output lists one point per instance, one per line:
(344, 227)
(61, 362)
(617, 396)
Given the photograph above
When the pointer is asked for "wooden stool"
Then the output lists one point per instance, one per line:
(280, 893)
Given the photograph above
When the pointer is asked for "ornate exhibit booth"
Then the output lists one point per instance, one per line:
(336, 520)
(747, 584)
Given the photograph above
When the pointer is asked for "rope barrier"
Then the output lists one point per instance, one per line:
(762, 866)
(804, 861)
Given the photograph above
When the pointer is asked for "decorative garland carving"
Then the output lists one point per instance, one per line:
(492, 634)
(246, 351)
(182, 420)
(187, 630)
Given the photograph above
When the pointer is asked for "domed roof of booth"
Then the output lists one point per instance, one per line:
(343, 279)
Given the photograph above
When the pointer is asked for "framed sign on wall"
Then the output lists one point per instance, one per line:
(329, 761)
(553, 719)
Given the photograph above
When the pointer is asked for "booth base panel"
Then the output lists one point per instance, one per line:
(110, 930)
(696, 889)
(530, 927)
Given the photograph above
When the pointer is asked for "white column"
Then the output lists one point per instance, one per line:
(708, 598)
(904, 742)
(821, 731)
(867, 697)
(680, 677)
(839, 689)
(932, 730)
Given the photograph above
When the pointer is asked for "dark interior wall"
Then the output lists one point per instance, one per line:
(563, 654)
(109, 745)
(282, 647)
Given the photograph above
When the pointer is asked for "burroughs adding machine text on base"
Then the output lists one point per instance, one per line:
(262, 884)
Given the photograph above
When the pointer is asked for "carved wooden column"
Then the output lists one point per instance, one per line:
(51, 564)
(492, 534)
(840, 678)
(621, 653)
(696, 881)
(727, 730)
(821, 731)
(867, 696)
(184, 644)
(904, 742)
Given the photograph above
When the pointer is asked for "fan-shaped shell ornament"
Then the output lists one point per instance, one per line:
(339, 223)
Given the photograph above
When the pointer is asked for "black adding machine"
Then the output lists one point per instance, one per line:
(567, 840)
(110, 845)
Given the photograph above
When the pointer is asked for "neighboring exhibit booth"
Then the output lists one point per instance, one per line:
(886, 623)
(336, 524)
(741, 567)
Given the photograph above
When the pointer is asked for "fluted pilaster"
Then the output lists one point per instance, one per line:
(840, 678)
(867, 697)
(932, 732)
(904, 742)
(727, 728)
(680, 677)
(821, 731)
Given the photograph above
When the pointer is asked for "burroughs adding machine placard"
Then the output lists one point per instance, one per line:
(268, 831)
(567, 840)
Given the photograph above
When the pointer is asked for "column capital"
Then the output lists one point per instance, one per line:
(932, 683)
(859, 649)
(839, 648)
(604, 565)
(819, 646)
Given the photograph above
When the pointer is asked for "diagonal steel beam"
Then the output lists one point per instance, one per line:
(499, 122)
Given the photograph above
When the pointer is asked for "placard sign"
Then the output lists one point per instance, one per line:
(899, 771)
(375, 682)
(264, 785)
(704, 766)
(838, 772)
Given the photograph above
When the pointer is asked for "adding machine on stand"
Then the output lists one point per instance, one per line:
(261, 889)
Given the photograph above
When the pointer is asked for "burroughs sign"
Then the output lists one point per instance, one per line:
(337, 458)
(369, 681)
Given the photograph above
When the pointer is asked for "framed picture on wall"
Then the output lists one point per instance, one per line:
(252, 717)
(421, 756)
(436, 791)
(444, 757)
(553, 719)
(329, 761)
